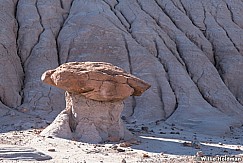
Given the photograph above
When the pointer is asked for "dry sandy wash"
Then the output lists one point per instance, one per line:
(189, 51)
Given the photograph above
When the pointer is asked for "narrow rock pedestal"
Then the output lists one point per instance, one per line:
(94, 101)
(88, 120)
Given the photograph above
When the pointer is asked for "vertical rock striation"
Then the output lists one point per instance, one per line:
(39, 24)
(11, 72)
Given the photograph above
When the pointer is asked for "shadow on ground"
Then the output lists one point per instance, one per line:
(180, 145)
(21, 153)
(17, 121)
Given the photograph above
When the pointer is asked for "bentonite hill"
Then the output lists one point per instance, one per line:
(191, 52)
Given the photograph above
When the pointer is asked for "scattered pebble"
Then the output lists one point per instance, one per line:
(131, 129)
(221, 143)
(144, 129)
(187, 144)
(98, 145)
(36, 131)
(125, 144)
(238, 149)
(123, 118)
(123, 161)
(114, 147)
(145, 155)
(199, 154)
(120, 150)
(51, 150)
(196, 146)
(48, 122)
(191, 144)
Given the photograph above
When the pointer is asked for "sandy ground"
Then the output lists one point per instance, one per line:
(21, 142)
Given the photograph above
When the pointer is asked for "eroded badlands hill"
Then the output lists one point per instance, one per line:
(191, 52)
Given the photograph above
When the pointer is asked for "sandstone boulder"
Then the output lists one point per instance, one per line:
(95, 80)
(94, 101)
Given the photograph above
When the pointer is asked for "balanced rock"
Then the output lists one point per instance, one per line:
(95, 80)
(94, 101)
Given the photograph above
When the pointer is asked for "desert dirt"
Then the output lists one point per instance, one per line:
(156, 142)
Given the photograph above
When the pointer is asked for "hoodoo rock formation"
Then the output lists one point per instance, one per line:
(190, 51)
(94, 101)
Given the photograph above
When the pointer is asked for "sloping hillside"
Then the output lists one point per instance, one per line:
(191, 52)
